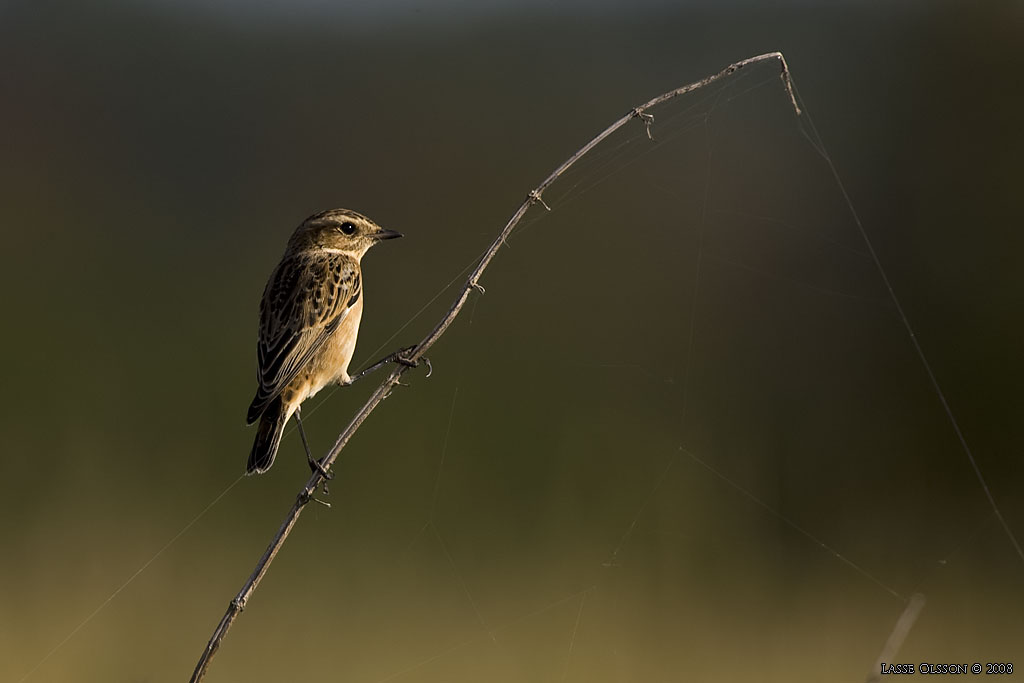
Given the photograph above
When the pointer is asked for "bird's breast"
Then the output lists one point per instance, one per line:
(340, 346)
(330, 363)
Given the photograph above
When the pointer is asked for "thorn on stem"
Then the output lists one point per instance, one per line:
(479, 287)
(307, 496)
(535, 197)
(648, 119)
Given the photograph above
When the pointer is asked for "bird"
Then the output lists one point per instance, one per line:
(308, 323)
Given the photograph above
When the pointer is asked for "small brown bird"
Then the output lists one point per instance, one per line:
(309, 320)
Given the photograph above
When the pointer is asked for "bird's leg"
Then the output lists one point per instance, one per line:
(314, 465)
(400, 356)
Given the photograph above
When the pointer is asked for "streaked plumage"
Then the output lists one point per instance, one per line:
(309, 321)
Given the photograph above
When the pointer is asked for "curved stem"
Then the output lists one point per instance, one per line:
(306, 494)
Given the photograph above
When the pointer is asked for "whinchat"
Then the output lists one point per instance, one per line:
(309, 320)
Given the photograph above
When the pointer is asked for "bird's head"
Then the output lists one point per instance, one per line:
(341, 230)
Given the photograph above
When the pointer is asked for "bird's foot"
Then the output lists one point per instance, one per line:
(317, 466)
(402, 358)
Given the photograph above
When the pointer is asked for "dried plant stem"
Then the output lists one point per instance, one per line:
(385, 388)
(898, 635)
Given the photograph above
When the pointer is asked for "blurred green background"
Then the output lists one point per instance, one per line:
(531, 512)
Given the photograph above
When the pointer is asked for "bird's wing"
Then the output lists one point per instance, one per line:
(307, 297)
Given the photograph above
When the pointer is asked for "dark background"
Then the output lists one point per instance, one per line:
(707, 294)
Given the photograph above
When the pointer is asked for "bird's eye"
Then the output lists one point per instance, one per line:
(348, 228)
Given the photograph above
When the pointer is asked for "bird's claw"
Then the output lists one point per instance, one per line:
(306, 497)
(317, 466)
(402, 358)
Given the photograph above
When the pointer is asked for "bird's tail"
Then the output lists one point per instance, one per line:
(268, 438)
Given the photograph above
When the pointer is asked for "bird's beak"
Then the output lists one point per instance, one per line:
(387, 234)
